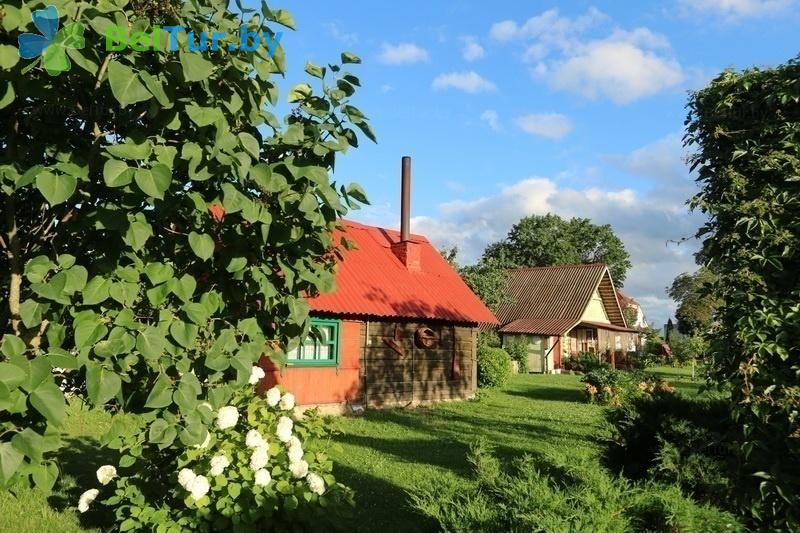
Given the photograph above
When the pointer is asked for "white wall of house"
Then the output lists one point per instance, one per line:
(596, 311)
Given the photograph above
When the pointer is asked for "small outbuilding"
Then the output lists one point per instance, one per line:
(565, 310)
(399, 328)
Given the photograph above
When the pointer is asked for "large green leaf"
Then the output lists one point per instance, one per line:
(185, 334)
(151, 343)
(9, 56)
(96, 290)
(48, 399)
(161, 394)
(130, 149)
(137, 235)
(125, 85)
(11, 376)
(31, 312)
(202, 245)
(89, 329)
(155, 181)
(10, 460)
(56, 188)
(195, 66)
(203, 116)
(101, 383)
(117, 173)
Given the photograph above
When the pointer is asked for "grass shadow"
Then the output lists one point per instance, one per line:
(78, 475)
(549, 394)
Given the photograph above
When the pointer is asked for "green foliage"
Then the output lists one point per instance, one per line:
(696, 302)
(236, 497)
(489, 280)
(678, 440)
(559, 495)
(609, 386)
(584, 362)
(494, 367)
(518, 351)
(550, 240)
(689, 348)
(745, 130)
(162, 225)
(488, 338)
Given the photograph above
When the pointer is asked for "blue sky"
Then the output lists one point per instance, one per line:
(512, 108)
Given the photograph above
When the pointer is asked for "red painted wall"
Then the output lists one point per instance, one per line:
(323, 384)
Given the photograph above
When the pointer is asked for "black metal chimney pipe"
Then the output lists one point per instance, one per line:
(405, 199)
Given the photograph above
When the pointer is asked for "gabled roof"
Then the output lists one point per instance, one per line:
(372, 282)
(625, 300)
(551, 300)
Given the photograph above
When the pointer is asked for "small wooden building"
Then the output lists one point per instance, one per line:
(400, 327)
(564, 310)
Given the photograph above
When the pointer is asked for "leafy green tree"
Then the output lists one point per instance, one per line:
(745, 130)
(161, 224)
(550, 240)
(489, 280)
(696, 302)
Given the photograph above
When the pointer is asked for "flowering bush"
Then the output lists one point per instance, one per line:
(608, 386)
(258, 467)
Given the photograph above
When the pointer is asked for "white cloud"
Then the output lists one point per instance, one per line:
(737, 9)
(386, 88)
(470, 82)
(549, 125)
(621, 66)
(472, 50)
(348, 38)
(402, 54)
(646, 221)
(491, 117)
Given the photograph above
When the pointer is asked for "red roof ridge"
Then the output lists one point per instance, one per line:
(415, 237)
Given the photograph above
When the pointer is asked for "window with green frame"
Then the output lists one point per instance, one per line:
(318, 350)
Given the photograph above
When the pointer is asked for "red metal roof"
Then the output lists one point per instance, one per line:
(371, 281)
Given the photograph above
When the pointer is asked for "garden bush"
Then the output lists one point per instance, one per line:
(743, 129)
(494, 367)
(584, 362)
(609, 386)
(162, 229)
(677, 440)
(560, 495)
(259, 465)
(518, 351)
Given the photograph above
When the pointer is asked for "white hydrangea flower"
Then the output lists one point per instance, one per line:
(287, 402)
(256, 375)
(86, 499)
(259, 458)
(185, 477)
(254, 439)
(316, 484)
(227, 417)
(105, 474)
(199, 487)
(218, 464)
(273, 396)
(294, 441)
(262, 478)
(295, 454)
(299, 469)
(284, 429)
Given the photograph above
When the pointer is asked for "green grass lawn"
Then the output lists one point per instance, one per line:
(386, 453)
(381, 455)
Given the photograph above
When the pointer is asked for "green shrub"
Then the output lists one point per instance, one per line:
(561, 495)
(689, 348)
(494, 367)
(518, 351)
(488, 339)
(585, 362)
(609, 386)
(645, 359)
(677, 440)
(743, 129)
